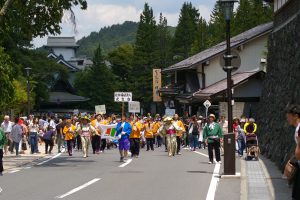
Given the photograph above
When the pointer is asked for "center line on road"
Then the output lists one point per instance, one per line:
(200, 153)
(57, 155)
(126, 163)
(14, 171)
(79, 188)
(213, 183)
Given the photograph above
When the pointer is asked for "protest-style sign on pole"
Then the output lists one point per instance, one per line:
(207, 104)
(134, 107)
(170, 112)
(100, 109)
(123, 97)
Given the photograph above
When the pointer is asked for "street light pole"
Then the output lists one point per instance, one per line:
(229, 139)
(28, 90)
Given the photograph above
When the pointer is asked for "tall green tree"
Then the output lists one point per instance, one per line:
(201, 40)
(186, 30)
(97, 82)
(121, 60)
(146, 56)
(164, 38)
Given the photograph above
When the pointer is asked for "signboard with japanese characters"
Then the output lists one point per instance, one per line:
(134, 107)
(123, 96)
(156, 85)
(100, 109)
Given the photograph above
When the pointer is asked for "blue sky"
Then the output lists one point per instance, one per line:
(102, 13)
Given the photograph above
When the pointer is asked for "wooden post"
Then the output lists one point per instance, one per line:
(123, 114)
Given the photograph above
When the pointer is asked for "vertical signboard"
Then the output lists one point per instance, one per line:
(156, 85)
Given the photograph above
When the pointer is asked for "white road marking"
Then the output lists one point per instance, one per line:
(200, 153)
(79, 188)
(1, 190)
(14, 171)
(213, 183)
(27, 167)
(126, 163)
(57, 155)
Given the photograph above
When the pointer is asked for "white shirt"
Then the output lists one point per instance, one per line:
(52, 124)
(296, 133)
(7, 126)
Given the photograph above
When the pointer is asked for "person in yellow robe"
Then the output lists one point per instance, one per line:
(149, 134)
(180, 133)
(156, 126)
(69, 131)
(135, 137)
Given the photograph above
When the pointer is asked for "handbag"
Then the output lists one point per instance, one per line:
(290, 170)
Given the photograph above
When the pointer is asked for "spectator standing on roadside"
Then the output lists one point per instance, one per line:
(293, 118)
(194, 131)
(3, 141)
(7, 126)
(48, 138)
(33, 135)
(16, 135)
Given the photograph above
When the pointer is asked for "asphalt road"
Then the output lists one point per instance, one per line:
(153, 175)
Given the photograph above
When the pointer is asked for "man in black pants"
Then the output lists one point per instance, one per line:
(212, 134)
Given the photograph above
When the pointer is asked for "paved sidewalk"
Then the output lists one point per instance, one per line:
(10, 161)
(264, 181)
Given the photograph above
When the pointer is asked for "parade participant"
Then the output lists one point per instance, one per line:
(169, 130)
(123, 131)
(194, 131)
(96, 138)
(212, 135)
(148, 127)
(16, 135)
(77, 139)
(135, 137)
(59, 134)
(48, 138)
(69, 131)
(86, 131)
(293, 118)
(179, 134)
(7, 126)
(3, 141)
(156, 126)
(241, 137)
(103, 141)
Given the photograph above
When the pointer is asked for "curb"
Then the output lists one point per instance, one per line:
(244, 184)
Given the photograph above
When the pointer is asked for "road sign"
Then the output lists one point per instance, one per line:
(123, 96)
(207, 104)
(170, 112)
(134, 107)
(100, 109)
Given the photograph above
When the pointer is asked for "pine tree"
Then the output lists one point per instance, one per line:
(146, 57)
(186, 30)
(164, 41)
(243, 17)
(201, 41)
(97, 82)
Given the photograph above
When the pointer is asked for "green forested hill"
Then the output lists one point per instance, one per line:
(110, 38)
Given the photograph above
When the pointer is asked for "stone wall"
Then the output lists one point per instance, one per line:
(281, 88)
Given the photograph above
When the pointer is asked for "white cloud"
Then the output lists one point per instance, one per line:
(99, 15)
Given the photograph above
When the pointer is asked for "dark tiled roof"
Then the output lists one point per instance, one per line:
(65, 97)
(220, 48)
(220, 86)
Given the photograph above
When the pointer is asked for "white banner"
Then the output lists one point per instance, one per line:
(134, 107)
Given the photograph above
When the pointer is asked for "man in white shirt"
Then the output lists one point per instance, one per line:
(7, 126)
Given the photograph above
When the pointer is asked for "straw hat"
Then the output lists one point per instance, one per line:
(167, 119)
(212, 115)
(85, 118)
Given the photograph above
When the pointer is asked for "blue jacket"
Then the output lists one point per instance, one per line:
(126, 129)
